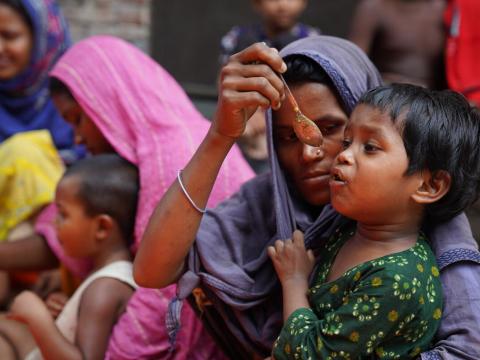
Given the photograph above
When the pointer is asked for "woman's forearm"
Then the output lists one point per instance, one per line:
(174, 223)
(30, 253)
(248, 81)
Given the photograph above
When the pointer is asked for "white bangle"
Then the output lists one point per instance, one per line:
(179, 178)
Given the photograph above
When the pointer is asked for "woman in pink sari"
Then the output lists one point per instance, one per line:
(119, 100)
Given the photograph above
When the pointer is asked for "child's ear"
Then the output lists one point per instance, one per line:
(104, 226)
(433, 187)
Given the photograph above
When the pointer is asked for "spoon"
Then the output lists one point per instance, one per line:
(305, 129)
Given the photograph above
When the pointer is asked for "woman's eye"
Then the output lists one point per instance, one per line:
(330, 129)
(288, 137)
(9, 35)
(346, 143)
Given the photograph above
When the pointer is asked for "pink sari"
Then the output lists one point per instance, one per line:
(147, 117)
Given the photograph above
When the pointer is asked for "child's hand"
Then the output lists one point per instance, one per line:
(27, 307)
(48, 282)
(291, 260)
(55, 303)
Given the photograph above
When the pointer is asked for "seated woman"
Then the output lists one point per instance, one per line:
(34, 35)
(119, 100)
(327, 76)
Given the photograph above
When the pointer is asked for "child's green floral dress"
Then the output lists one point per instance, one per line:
(387, 308)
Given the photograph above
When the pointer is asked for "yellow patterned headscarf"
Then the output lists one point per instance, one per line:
(30, 168)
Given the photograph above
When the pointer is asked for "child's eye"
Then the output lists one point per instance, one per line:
(370, 148)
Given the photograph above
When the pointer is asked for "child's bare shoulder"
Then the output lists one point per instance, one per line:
(105, 295)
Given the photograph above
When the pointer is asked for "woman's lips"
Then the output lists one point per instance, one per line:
(316, 178)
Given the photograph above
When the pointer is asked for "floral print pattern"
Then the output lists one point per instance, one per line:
(386, 308)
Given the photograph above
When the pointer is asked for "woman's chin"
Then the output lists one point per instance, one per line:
(319, 199)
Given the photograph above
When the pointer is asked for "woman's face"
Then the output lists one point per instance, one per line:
(308, 168)
(16, 43)
(86, 132)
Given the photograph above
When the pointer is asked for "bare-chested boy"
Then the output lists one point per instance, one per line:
(404, 38)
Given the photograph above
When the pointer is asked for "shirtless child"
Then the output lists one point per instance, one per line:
(404, 39)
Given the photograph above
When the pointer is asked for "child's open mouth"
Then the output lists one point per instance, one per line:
(337, 176)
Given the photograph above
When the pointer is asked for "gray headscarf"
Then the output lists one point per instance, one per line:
(229, 259)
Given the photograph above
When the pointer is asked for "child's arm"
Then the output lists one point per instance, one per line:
(30, 309)
(293, 264)
(244, 87)
(377, 307)
(102, 304)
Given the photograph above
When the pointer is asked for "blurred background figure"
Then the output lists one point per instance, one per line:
(33, 35)
(405, 39)
(463, 72)
(463, 48)
(185, 36)
(279, 26)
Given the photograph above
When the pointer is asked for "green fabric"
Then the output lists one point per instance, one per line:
(387, 308)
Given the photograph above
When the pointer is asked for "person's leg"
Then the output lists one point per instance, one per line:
(18, 336)
(6, 349)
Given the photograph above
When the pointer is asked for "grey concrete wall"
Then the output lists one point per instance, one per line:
(128, 19)
(186, 33)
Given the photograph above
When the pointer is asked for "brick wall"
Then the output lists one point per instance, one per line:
(128, 19)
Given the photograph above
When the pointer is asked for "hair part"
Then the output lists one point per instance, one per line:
(440, 131)
(108, 184)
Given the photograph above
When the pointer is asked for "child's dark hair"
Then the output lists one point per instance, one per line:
(20, 9)
(440, 131)
(302, 69)
(108, 185)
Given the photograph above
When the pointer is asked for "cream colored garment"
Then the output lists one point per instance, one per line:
(68, 318)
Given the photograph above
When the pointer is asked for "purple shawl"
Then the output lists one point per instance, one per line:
(229, 258)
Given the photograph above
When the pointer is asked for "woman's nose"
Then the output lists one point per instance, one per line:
(312, 153)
